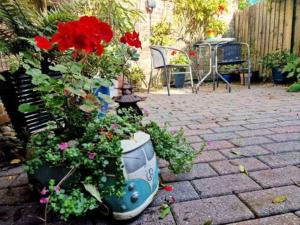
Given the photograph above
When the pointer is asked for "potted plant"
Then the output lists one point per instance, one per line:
(275, 62)
(179, 59)
(135, 75)
(228, 71)
(293, 70)
(80, 155)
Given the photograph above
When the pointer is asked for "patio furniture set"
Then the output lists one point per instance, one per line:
(220, 52)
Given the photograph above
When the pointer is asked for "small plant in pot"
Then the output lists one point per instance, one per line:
(135, 75)
(228, 71)
(293, 70)
(179, 59)
(275, 62)
(79, 160)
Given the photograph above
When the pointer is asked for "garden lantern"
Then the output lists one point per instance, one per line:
(129, 100)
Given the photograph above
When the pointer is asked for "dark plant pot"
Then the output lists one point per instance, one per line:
(45, 173)
(227, 77)
(179, 80)
(278, 76)
(104, 104)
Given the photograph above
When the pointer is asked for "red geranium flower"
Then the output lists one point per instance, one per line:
(192, 54)
(88, 34)
(168, 188)
(132, 39)
(42, 42)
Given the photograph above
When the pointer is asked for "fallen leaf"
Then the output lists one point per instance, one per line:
(208, 222)
(164, 211)
(237, 153)
(93, 190)
(15, 161)
(279, 199)
(243, 170)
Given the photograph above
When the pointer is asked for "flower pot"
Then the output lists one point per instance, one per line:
(179, 80)
(211, 34)
(278, 76)
(227, 77)
(142, 181)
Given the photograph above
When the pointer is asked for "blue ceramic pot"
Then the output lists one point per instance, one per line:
(104, 104)
(227, 77)
(278, 76)
(179, 80)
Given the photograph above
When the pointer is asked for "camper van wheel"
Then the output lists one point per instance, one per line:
(105, 210)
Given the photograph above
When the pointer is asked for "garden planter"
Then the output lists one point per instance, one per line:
(179, 80)
(141, 173)
(278, 76)
(227, 77)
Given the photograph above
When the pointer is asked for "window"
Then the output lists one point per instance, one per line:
(134, 160)
(149, 150)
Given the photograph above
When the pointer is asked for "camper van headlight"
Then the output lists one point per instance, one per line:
(134, 196)
(130, 186)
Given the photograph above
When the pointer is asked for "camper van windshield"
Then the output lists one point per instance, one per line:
(134, 160)
(149, 150)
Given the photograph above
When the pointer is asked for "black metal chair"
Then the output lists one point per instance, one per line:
(160, 60)
(231, 53)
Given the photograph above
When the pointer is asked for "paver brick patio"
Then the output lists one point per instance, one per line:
(261, 201)
(277, 177)
(261, 126)
(219, 210)
(284, 219)
(228, 184)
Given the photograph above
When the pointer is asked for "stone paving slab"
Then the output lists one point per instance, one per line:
(283, 146)
(220, 210)
(228, 184)
(260, 125)
(285, 219)
(15, 195)
(250, 141)
(228, 129)
(287, 129)
(11, 171)
(282, 159)
(13, 180)
(252, 150)
(199, 170)
(277, 177)
(252, 133)
(183, 191)
(297, 213)
(219, 136)
(209, 156)
(261, 201)
(232, 166)
(285, 137)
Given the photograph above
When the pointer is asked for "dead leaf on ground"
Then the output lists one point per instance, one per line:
(279, 199)
(243, 169)
(15, 161)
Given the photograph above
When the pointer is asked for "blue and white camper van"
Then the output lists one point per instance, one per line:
(141, 174)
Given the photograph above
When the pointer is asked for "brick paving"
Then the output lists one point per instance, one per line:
(257, 128)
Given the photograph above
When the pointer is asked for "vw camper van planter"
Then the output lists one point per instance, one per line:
(141, 175)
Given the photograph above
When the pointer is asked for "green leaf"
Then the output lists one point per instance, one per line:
(279, 199)
(88, 108)
(208, 222)
(164, 211)
(59, 68)
(2, 78)
(27, 108)
(243, 170)
(92, 189)
(33, 72)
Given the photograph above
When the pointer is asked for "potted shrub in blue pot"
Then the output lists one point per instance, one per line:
(275, 62)
(177, 60)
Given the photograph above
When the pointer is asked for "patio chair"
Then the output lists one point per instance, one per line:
(160, 60)
(231, 53)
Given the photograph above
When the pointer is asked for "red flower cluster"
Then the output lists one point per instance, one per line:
(86, 34)
(132, 39)
(221, 8)
(192, 54)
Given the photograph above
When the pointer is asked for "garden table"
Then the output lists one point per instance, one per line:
(212, 45)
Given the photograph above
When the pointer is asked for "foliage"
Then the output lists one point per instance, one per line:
(96, 153)
(293, 70)
(179, 59)
(217, 25)
(242, 4)
(161, 32)
(135, 74)
(277, 59)
(196, 15)
(172, 147)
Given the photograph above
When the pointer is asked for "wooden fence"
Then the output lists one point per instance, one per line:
(269, 26)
